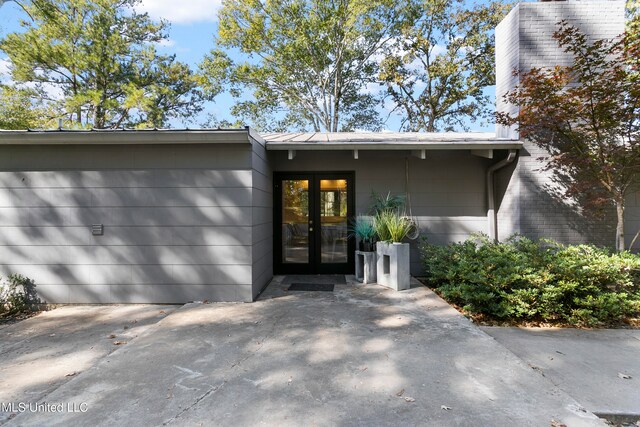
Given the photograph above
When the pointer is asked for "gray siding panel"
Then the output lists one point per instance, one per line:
(220, 274)
(262, 220)
(147, 157)
(126, 236)
(126, 216)
(167, 294)
(29, 236)
(212, 236)
(170, 197)
(178, 221)
(194, 178)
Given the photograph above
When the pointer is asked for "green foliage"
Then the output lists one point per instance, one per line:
(390, 222)
(324, 66)
(95, 63)
(19, 109)
(436, 68)
(390, 202)
(362, 228)
(307, 61)
(545, 281)
(390, 225)
(633, 17)
(17, 295)
(380, 226)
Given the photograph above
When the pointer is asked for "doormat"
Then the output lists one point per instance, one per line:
(337, 279)
(320, 287)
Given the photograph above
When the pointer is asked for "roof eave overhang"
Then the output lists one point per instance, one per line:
(230, 136)
(467, 145)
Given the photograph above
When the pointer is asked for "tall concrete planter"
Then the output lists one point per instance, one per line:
(393, 265)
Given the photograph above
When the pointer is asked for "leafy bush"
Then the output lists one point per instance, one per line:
(17, 295)
(540, 281)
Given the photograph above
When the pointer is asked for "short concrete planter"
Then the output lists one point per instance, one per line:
(393, 266)
(366, 266)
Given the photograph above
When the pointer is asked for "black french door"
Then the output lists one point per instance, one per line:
(311, 220)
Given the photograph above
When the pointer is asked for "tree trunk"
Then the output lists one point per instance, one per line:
(620, 226)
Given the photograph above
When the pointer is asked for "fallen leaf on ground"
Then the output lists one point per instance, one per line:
(409, 399)
(445, 408)
(624, 376)
(400, 393)
(119, 342)
(52, 335)
(112, 336)
(71, 374)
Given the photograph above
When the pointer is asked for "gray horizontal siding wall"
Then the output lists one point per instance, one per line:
(178, 221)
(262, 223)
(447, 188)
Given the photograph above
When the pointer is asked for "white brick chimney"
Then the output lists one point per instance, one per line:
(524, 39)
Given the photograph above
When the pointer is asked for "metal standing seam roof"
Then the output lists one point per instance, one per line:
(127, 136)
(387, 140)
(273, 141)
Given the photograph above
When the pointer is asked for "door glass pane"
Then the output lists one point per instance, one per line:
(333, 220)
(295, 221)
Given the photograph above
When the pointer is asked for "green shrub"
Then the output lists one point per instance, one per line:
(542, 281)
(17, 295)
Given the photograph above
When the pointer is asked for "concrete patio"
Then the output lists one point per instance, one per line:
(361, 355)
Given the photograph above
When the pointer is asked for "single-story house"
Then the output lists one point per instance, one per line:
(170, 216)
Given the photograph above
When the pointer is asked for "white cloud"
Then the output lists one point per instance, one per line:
(185, 12)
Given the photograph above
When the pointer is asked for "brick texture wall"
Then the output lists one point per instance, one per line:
(530, 203)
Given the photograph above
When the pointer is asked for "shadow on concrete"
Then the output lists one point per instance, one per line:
(362, 355)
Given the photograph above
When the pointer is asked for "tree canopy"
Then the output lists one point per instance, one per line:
(441, 61)
(19, 109)
(95, 63)
(329, 65)
(307, 61)
(587, 117)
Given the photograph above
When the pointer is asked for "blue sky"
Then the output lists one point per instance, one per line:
(191, 37)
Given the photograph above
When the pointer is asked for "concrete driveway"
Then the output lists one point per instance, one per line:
(40, 354)
(600, 368)
(362, 355)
